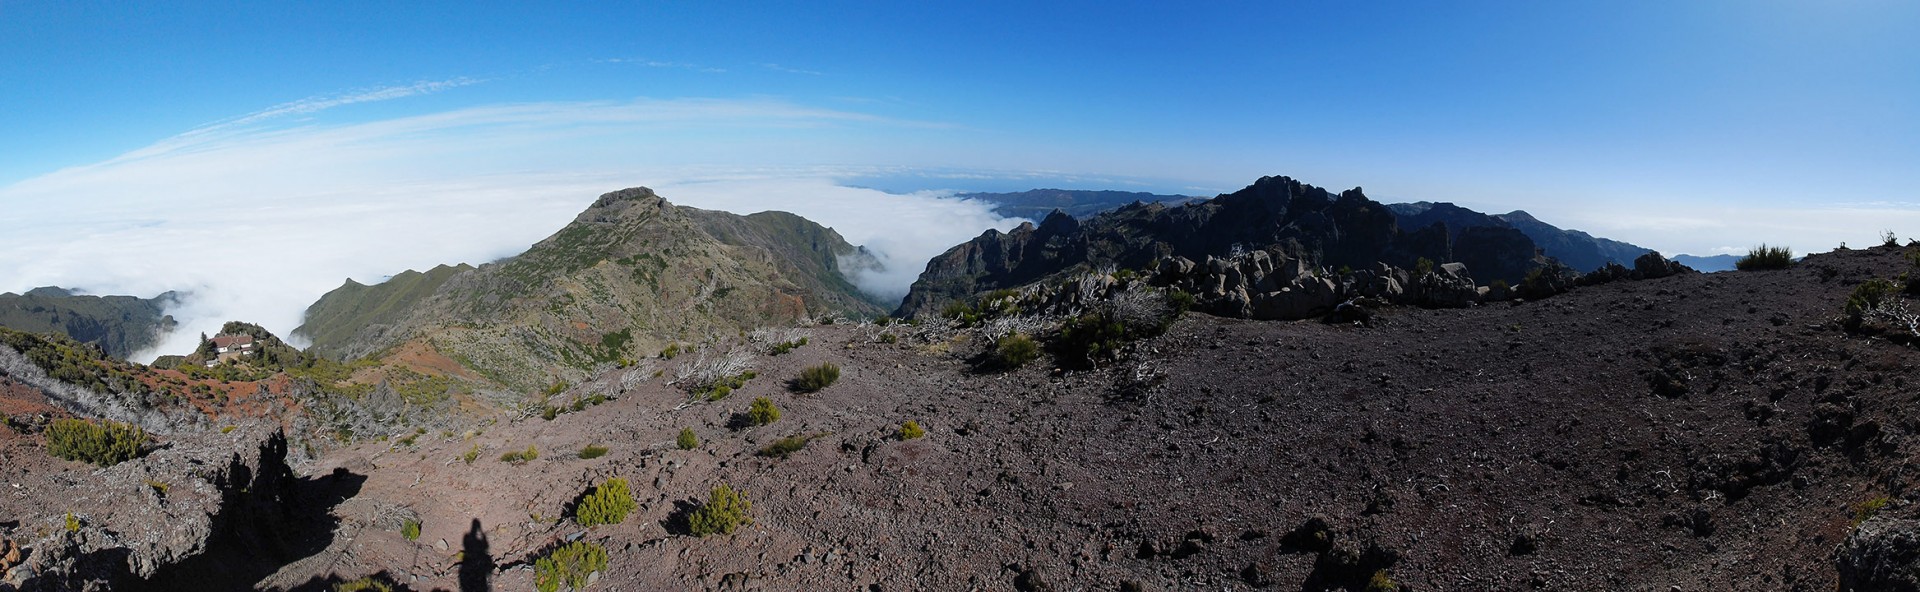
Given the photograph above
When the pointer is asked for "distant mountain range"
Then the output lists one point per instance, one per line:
(119, 325)
(1581, 251)
(1080, 203)
(1278, 214)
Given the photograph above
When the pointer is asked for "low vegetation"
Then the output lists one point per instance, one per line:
(366, 584)
(1867, 509)
(607, 504)
(1014, 350)
(687, 440)
(590, 452)
(911, 430)
(520, 456)
(815, 378)
(724, 511)
(786, 346)
(410, 529)
(786, 446)
(1765, 257)
(1097, 337)
(105, 443)
(762, 412)
(570, 564)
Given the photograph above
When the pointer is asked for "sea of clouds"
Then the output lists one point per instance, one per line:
(255, 223)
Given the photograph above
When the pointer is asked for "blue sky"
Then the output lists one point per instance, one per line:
(1682, 126)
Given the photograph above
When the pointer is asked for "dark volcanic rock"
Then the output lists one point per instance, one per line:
(1285, 217)
(1882, 554)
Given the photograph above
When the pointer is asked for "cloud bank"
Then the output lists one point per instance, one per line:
(255, 222)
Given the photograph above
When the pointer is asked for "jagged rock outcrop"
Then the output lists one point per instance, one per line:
(1882, 554)
(1265, 286)
(122, 526)
(1275, 214)
(628, 275)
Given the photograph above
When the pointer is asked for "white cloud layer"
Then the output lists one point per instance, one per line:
(256, 223)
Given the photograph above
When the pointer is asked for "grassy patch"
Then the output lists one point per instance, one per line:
(687, 440)
(818, 377)
(911, 430)
(592, 452)
(1765, 257)
(762, 411)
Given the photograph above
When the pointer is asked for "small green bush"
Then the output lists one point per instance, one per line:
(762, 411)
(592, 452)
(687, 440)
(1865, 297)
(787, 346)
(1422, 267)
(1765, 257)
(785, 446)
(719, 392)
(1381, 582)
(724, 511)
(911, 430)
(73, 523)
(1180, 300)
(889, 338)
(818, 377)
(570, 564)
(607, 504)
(672, 351)
(106, 443)
(530, 453)
(472, 453)
(1015, 350)
(410, 529)
(366, 584)
(1867, 509)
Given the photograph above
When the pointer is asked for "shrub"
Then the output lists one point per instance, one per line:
(787, 346)
(1889, 239)
(911, 430)
(1866, 297)
(1381, 582)
(570, 564)
(889, 338)
(724, 511)
(366, 584)
(1180, 300)
(1765, 257)
(786, 446)
(1015, 350)
(1867, 509)
(73, 523)
(106, 444)
(818, 377)
(607, 504)
(410, 529)
(472, 453)
(719, 392)
(672, 350)
(592, 452)
(687, 440)
(530, 453)
(1422, 267)
(762, 412)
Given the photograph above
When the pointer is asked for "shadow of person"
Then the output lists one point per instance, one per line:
(476, 564)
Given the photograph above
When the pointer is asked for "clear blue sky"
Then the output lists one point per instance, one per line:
(1683, 126)
(1744, 94)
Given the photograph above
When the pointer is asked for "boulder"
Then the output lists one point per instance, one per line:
(1882, 554)
(1653, 265)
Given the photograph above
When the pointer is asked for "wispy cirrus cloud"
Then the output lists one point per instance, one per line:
(321, 103)
(780, 68)
(650, 63)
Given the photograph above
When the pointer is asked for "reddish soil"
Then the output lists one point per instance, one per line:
(1701, 432)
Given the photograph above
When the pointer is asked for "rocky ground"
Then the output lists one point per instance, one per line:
(1694, 432)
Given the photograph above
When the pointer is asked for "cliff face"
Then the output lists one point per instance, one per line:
(628, 275)
(1277, 214)
(118, 325)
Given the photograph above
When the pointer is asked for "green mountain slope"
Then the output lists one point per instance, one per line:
(627, 276)
(119, 325)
